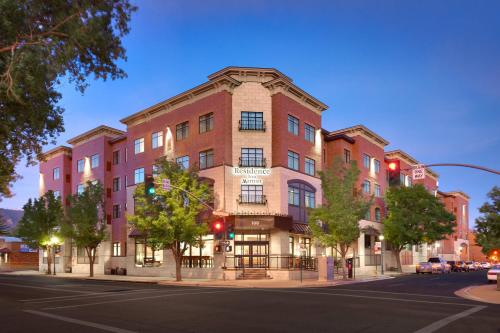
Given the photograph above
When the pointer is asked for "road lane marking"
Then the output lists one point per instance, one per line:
(386, 292)
(80, 322)
(445, 321)
(362, 296)
(44, 288)
(140, 299)
(93, 295)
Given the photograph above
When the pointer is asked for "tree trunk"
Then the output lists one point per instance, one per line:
(49, 261)
(178, 260)
(343, 263)
(397, 253)
(91, 255)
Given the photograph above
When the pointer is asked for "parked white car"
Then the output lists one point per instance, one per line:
(439, 265)
(493, 272)
(485, 265)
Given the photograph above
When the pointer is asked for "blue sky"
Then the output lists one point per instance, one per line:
(425, 75)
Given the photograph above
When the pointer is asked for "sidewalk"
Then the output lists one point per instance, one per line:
(487, 293)
(205, 282)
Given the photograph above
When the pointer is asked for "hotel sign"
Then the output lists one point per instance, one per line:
(251, 176)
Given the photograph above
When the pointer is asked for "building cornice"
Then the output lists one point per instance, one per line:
(95, 132)
(249, 72)
(363, 131)
(460, 194)
(59, 150)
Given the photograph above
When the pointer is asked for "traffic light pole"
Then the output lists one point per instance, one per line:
(496, 172)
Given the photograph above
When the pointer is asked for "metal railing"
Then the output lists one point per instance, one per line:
(259, 199)
(252, 125)
(274, 262)
(253, 162)
(197, 262)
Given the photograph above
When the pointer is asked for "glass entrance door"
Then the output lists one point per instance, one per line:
(252, 250)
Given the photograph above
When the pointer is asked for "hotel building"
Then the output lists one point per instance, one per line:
(257, 140)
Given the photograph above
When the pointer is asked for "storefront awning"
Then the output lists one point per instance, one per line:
(368, 230)
(301, 228)
(135, 234)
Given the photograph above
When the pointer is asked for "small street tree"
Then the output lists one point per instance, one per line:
(84, 222)
(336, 222)
(40, 222)
(168, 219)
(488, 226)
(414, 217)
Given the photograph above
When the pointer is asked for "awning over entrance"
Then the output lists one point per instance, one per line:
(135, 234)
(368, 230)
(301, 228)
(261, 222)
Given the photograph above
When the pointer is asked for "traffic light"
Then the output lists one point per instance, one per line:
(393, 172)
(218, 229)
(149, 186)
(230, 232)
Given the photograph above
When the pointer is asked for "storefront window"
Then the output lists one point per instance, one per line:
(145, 255)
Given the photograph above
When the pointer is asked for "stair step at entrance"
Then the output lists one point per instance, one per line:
(253, 274)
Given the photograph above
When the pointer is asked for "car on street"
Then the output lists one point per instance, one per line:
(424, 267)
(462, 266)
(439, 265)
(454, 266)
(470, 266)
(478, 265)
(485, 265)
(493, 272)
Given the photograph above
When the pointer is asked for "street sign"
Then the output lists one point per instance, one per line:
(378, 248)
(418, 173)
(224, 242)
(165, 184)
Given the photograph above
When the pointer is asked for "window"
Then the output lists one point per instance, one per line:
(252, 157)
(80, 165)
(56, 173)
(206, 159)
(293, 196)
(366, 161)
(291, 245)
(157, 140)
(252, 194)
(368, 216)
(252, 121)
(409, 181)
(366, 186)
(377, 214)
(116, 157)
(206, 122)
(309, 199)
(378, 191)
(293, 125)
(183, 161)
(182, 131)
(116, 211)
(117, 251)
(377, 166)
(79, 189)
(309, 133)
(57, 194)
(145, 255)
(293, 160)
(347, 156)
(94, 161)
(309, 166)
(155, 170)
(116, 184)
(139, 175)
(139, 146)
(402, 179)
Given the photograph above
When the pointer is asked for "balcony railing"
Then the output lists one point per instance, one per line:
(259, 199)
(272, 262)
(252, 125)
(253, 162)
(197, 262)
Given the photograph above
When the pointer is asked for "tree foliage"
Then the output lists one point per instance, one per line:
(41, 220)
(169, 220)
(40, 43)
(85, 221)
(336, 222)
(4, 228)
(414, 217)
(488, 225)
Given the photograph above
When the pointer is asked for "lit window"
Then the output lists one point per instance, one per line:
(117, 249)
(57, 194)
(80, 165)
(293, 160)
(94, 161)
(366, 186)
(378, 190)
(252, 194)
(309, 199)
(79, 189)
(206, 159)
(293, 196)
(183, 161)
(182, 131)
(139, 146)
(206, 122)
(310, 166)
(347, 156)
(139, 176)
(56, 173)
(366, 161)
(293, 125)
(309, 133)
(116, 184)
(157, 139)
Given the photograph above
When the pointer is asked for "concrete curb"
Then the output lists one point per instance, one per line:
(470, 293)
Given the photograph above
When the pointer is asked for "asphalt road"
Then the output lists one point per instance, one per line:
(414, 303)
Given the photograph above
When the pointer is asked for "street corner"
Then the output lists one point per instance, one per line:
(487, 293)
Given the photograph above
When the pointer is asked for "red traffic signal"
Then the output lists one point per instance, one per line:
(218, 226)
(393, 166)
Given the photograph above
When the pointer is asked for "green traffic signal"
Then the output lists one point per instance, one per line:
(151, 190)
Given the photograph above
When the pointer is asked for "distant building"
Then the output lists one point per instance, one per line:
(15, 255)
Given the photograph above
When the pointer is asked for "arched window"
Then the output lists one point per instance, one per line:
(301, 196)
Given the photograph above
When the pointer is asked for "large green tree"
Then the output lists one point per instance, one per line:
(85, 220)
(40, 222)
(42, 42)
(415, 216)
(488, 225)
(169, 219)
(336, 222)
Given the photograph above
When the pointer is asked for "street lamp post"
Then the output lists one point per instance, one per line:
(54, 240)
(381, 237)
